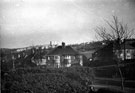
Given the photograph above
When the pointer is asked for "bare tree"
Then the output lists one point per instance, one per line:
(118, 32)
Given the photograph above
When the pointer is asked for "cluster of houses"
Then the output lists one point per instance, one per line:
(60, 56)
(66, 56)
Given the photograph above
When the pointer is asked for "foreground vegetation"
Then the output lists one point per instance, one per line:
(47, 80)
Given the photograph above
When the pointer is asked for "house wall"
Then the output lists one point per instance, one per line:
(50, 62)
(105, 54)
(81, 60)
(39, 61)
(129, 54)
(64, 60)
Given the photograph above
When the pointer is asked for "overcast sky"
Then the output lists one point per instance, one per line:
(37, 22)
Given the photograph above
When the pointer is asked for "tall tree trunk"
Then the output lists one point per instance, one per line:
(118, 46)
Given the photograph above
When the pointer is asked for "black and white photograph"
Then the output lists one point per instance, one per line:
(67, 46)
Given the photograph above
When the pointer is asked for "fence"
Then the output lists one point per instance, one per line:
(108, 76)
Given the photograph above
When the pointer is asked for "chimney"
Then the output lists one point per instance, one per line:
(63, 44)
(50, 43)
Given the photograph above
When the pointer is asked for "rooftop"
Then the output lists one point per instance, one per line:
(63, 50)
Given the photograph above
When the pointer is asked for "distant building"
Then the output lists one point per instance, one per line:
(103, 54)
(63, 56)
(111, 52)
(52, 44)
(127, 50)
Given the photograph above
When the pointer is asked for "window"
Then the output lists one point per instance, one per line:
(56, 57)
(128, 56)
(67, 57)
(127, 51)
(48, 58)
(19, 56)
(43, 61)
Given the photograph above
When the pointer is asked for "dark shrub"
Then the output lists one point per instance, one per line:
(53, 80)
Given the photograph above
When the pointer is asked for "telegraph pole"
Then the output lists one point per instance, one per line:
(124, 50)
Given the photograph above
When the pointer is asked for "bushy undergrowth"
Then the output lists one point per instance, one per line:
(48, 80)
